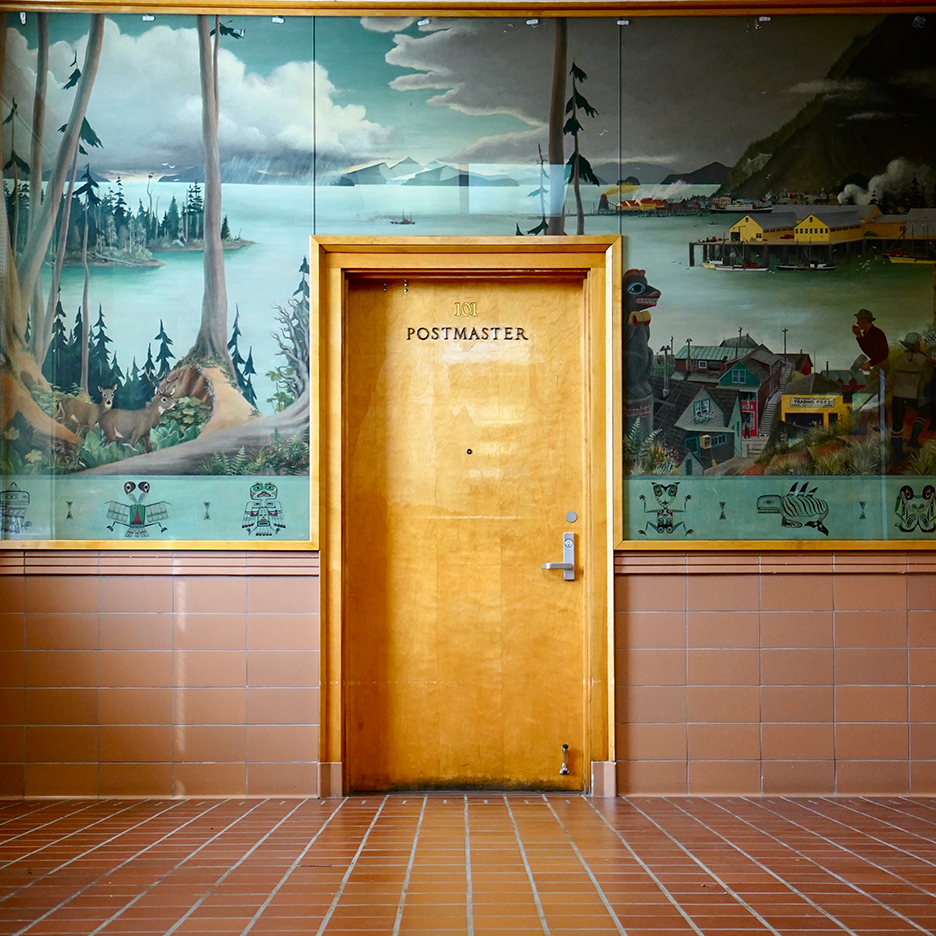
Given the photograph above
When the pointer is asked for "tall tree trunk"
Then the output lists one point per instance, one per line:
(38, 122)
(35, 163)
(556, 149)
(85, 313)
(30, 262)
(35, 172)
(7, 265)
(211, 341)
(41, 343)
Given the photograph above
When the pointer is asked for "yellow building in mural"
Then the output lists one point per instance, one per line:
(812, 410)
(834, 224)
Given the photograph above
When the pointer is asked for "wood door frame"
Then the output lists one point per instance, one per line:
(599, 260)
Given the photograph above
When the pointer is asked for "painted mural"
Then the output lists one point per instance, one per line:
(774, 178)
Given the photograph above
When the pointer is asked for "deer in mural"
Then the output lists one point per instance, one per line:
(132, 425)
(83, 414)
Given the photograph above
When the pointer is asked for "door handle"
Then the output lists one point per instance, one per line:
(568, 558)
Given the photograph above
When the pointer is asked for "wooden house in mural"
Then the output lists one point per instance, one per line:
(756, 377)
(701, 423)
(703, 361)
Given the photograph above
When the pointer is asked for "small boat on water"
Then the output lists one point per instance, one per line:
(403, 219)
(741, 208)
(814, 267)
(894, 259)
(736, 267)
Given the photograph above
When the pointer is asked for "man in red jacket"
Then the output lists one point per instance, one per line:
(870, 339)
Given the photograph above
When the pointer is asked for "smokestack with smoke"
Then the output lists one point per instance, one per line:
(895, 181)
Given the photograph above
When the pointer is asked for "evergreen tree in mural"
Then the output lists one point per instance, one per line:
(91, 200)
(579, 167)
(193, 213)
(100, 371)
(136, 390)
(70, 370)
(171, 222)
(246, 384)
(243, 369)
(86, 136)
(54, 366)
(149, 365)
(19, 196)
(163, 354)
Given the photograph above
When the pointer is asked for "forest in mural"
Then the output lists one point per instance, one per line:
(773, 176)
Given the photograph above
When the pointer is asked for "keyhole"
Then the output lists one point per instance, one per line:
(468, 451)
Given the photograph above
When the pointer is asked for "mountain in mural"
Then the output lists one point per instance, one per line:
(872, 108)
(646, 173)
(449, 175)
(715, 173)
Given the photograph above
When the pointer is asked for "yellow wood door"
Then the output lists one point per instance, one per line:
(464, 453)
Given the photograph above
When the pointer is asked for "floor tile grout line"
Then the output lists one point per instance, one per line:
(469, 895)
(110, 871)
(231, 869)
(62, 838)
(88, 851)
(860, 831)
(36, 808)
(888, 803)
(526, 864)
(189, 855)
(851, 851)
(409, 869)
(347, 874)
(728, 889)
(901, 812)
(290, 869)
(836, 875)
(648, 870)
(761, 865)
(591, 876)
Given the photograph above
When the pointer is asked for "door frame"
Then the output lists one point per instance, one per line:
(599, 260)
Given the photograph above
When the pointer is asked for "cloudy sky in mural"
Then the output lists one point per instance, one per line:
(466, 90)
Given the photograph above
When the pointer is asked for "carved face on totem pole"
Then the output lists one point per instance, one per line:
(639, 298)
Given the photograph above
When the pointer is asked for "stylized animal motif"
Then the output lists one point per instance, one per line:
(665, 494)
(132, 425)
(82, 414)
(916, 512)
(798, 507)
(14, 503)
(263, 515)
(639, 298)
(137, 516)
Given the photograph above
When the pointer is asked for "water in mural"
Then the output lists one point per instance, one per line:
(755, 165)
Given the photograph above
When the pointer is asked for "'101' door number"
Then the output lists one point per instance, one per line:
(466, 309)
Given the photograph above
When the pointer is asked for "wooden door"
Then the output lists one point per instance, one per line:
(464, 451)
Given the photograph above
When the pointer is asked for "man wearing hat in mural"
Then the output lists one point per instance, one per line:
(913, 370)
(870, 339)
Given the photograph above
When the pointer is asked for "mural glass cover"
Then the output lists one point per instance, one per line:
(774, 179)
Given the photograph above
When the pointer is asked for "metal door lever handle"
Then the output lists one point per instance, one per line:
(568, 556)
